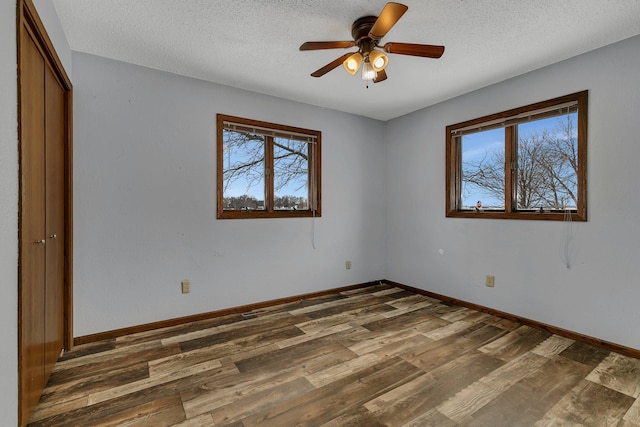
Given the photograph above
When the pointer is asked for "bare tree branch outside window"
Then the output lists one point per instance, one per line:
(245, 171)
(267, 170)
(547, 168)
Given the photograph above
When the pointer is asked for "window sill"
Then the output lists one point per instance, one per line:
(264, 214)
(533, 215)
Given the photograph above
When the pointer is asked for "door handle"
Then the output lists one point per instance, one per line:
(53, 236)
(40, 242)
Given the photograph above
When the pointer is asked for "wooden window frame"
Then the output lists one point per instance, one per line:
(454, 162)
(315, 192)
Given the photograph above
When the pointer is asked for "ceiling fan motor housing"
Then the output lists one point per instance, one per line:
(360, 33)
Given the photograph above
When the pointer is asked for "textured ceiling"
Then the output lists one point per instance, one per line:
(254, 45)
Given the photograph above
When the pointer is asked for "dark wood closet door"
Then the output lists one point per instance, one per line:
(33, 242)
(46, 226)
(54, 220)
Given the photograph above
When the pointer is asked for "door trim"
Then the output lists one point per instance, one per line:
(27, 18)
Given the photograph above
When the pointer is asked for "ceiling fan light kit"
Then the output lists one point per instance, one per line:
(352, 63)
(368, 73)
(378, 60)
(367, 33)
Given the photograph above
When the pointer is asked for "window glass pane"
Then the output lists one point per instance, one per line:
(290, 174)
(243, 171)
(483, 170)
(548, 163)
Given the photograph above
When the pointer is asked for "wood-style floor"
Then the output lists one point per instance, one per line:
(377, 356)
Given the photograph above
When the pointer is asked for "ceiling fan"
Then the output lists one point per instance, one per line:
(367, 33)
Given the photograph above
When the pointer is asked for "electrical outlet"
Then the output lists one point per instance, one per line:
(186, 286)
(348, 265)
(490, 281)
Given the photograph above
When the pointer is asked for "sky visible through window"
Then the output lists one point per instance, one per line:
(244, 184)
(249, 183)
(477, 147)
(486, 146)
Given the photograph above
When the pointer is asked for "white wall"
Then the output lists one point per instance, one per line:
(145, 213)
(598, 296)
(8, 215)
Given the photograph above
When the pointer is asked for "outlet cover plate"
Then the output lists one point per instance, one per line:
(490, 281)
(186, 286)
